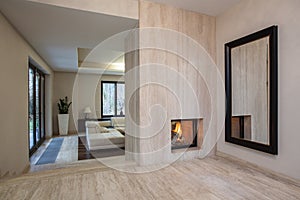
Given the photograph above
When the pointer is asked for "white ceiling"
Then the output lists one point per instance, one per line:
(56, 33)
(209, 7)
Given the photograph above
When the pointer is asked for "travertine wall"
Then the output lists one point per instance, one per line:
(132, 143)
(180, 90)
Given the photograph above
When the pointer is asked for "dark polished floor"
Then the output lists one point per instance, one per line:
(84, 153)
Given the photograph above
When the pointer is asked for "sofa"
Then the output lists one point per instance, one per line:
(119, 124)
(100, 137)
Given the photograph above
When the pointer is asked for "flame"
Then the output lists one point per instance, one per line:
(178, 131)
(177, 127)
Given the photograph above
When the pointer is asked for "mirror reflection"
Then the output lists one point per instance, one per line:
(251, 83)
(250, 91)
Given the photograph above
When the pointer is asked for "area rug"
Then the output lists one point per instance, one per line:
(50, 154)
(84, 153)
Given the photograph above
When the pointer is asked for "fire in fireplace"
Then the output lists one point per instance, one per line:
(184, 133)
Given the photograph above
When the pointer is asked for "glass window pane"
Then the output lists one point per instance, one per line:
(120, 99)
(36, 112)
(31, 108)
(42, 106)
(37, 122)
(108, 99)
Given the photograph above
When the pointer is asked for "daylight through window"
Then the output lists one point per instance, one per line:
(113, 98)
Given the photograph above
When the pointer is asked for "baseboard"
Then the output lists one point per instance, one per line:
(26, 169)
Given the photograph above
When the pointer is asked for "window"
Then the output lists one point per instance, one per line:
(112, 99)
(36, 108)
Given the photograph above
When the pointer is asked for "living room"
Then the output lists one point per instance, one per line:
(72, 52)
(178, 88)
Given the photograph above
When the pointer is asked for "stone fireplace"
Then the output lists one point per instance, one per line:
(176, 79)
(185, 133)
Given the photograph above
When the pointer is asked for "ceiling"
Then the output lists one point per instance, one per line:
(56, 33)
(209, 7)
(99, 61)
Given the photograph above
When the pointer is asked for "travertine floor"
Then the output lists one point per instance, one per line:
(68, 154)
(216, 177)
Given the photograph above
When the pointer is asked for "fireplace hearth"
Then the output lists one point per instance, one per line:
(184, 133)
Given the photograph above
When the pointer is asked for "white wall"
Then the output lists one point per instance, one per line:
(98, 93)
(247, 17)
(14, 55)
(89, 93)
(63, 86)
(83, 90)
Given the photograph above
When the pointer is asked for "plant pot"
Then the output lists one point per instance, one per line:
(63, 124)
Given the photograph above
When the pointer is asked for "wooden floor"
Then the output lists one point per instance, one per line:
(217, 177)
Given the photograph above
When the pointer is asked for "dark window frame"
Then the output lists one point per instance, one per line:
(36, 144)
(116, 97)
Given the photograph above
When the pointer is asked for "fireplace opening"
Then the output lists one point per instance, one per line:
(184, 133)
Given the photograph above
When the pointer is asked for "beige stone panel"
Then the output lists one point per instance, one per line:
(216, 178)
(183, 79)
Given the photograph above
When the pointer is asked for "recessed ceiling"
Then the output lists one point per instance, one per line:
(56, 33)
(91, 60)
(209, 7)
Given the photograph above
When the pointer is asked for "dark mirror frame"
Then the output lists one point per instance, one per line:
(272, 148)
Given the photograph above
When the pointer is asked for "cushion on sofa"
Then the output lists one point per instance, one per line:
(101, 129)
(113, 137)
(106, 123)
(95, 127)
(118, 121)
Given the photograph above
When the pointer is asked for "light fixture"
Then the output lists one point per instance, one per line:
(120, 66)
(87, 111)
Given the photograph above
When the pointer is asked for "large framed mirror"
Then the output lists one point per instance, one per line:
(251, 79)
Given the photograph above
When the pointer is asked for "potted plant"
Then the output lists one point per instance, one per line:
(63, 116)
